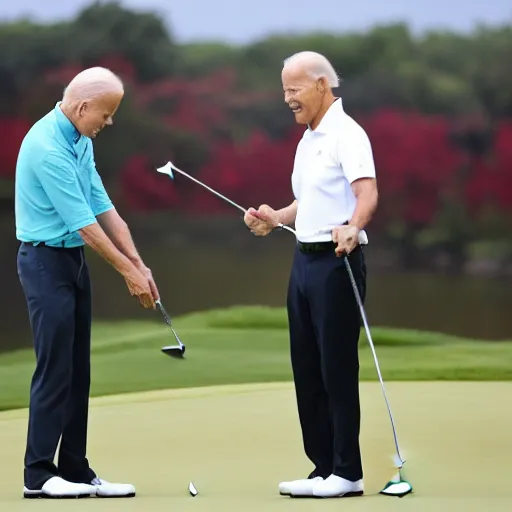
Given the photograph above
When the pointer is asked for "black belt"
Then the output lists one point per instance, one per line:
(44, 244)
(313, 247)
(62, 245)
(308, 247)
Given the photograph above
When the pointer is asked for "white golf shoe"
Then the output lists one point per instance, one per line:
(104, 489)
(57, 487)
(337, 487)
(299, 488)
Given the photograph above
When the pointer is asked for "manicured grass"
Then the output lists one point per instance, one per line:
(250, 344)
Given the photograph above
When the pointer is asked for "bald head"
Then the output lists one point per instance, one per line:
(91, 99)
(92, 83)
(313, 64)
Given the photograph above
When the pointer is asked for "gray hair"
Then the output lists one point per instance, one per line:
(91, 83)
(316, 65)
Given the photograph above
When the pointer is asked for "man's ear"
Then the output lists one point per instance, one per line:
(82, 108)
(321, 85)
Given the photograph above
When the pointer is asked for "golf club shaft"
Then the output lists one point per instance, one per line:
(167, 319)
(218, 194)
(164, 312)
(241, 208)
(368, 335)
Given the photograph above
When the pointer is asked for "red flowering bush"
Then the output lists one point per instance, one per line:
(420, 164)
(415, 162)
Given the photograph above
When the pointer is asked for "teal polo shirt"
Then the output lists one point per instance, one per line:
(58, 190)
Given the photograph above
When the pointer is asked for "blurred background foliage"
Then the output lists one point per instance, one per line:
(438, 110)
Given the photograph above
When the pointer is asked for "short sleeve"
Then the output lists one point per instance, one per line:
(355, 156)
(57, 175)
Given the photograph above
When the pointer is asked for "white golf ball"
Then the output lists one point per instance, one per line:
(192, 489)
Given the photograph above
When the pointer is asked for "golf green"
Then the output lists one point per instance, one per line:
(237, 442)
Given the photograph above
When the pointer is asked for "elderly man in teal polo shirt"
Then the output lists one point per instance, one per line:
(60, 206)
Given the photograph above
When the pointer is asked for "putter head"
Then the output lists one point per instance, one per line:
(176, 351)
(166, 169)
(398, 487)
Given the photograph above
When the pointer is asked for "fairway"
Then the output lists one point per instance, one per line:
(237, 442)
(245, 345)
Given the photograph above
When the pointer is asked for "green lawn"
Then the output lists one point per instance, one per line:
(244, 344)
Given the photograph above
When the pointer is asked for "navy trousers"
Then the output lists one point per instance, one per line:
(324, 325)
(57, 289)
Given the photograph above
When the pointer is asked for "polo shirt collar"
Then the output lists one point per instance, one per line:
(331, 117)
(67, 128)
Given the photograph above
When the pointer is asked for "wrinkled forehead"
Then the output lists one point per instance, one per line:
(293, 77)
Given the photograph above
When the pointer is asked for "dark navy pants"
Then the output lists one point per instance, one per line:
(57, 289)
(324, 324)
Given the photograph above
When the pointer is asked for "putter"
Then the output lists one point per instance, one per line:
(177, 351)
(398, 485)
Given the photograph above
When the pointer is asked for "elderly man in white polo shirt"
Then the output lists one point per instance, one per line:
(335, 190)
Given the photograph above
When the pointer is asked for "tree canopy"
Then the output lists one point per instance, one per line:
(437, 107)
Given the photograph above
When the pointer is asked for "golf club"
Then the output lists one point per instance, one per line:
(177, 351)
(397, 486)
(169, 167)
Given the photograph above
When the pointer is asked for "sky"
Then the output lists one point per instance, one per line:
(242, 21)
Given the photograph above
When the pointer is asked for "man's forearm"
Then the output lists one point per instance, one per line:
(96, 239)
(288, 214)
(119, 233)
(365, 208)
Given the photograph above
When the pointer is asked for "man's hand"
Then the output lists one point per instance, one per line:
(347, 238)
(152, 285)
(261, 221)
(139, 286)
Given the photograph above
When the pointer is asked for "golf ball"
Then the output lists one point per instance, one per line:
(192, 489)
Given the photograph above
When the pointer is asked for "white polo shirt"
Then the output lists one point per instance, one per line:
(327, 161)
